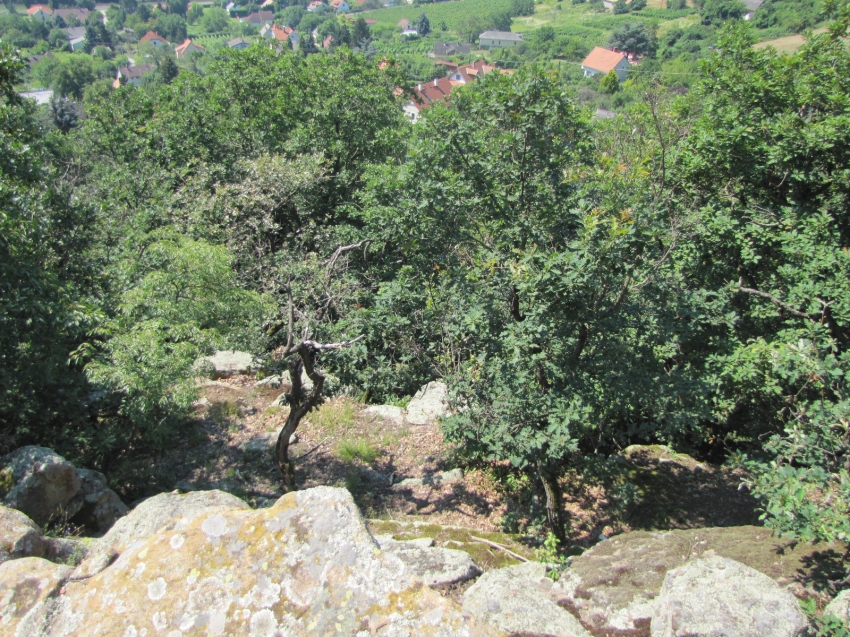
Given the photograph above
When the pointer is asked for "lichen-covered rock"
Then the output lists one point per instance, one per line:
(437, 567)
(306, 566)
(98, 506)
(44, 483)
(435, 479)
(614, 585)
(173, 509)
(428, 404)
(840, 606)
(723, 598)
(19, 536)
(25, 586)
(67, 550)
(516, 600)
(229, 362)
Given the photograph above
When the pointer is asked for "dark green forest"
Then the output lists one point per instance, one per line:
(679, 274)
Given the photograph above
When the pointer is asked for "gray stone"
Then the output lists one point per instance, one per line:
(26, 587)
(387, 412)
(270, 381)
(437, 567)
(19, 536)
(516, 601)
(67, 550)
(428, 404)
(44, 484)
(171, 510)
(306, 383)
(97, 505)
(720, 597)
(264, 444)
(229, 362)
(375, 477)
(436, 479)
(185, 486)
(306, 566)
(840, 606)
(613, 586)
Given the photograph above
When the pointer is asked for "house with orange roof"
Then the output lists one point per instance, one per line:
(281, 34)
(340, 6)
(40, 12)
(315, 5)
(188, 47)
(603, 61)
(153, 38)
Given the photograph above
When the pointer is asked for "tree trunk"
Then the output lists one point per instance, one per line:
(300, 404)
(553, 502)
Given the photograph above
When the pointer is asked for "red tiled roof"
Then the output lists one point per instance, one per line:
(602, 60)
(150, 36)
(35, 8)
(182, 48)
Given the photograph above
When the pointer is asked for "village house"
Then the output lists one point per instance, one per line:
(315, 5)
(438, 90)
(603, 61)
(444, 49)
(68, 14)
(132, 74)
(260, 17)
(284, 34)
(187, 47)
(340, 6)
(153, 38)
(499, 39)
(238, 44)
(40, 12)
(76, 37)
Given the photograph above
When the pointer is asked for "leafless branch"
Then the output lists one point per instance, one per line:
(777, 302)
(342, 249)
(516, 556)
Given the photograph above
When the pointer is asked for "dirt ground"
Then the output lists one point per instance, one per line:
(339, 444)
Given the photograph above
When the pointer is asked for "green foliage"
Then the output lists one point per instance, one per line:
(348, 451)
(214, 20)
(522, 7)
(550, 555)
(719, 11)
(634, 37)
(422, 24)
(610, 84)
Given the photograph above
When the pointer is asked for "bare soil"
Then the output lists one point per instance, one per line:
(340, 445)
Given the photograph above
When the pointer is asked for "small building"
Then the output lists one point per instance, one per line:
(444, 49)
(403, 23)
(427, 94)
(340, 6)
(410, 32)
(40, 12)
(603, 61)
(315, 5)
(153, 38)
(499, 39)
(238, 44)
(66, 14)
(260, 17)
(187, 47)
(285, 34)
(132, 74)
(76, 38)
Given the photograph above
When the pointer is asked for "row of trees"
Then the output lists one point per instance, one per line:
(679, 274)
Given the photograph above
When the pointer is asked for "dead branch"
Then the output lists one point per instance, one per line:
(342, 249)
(516, 556)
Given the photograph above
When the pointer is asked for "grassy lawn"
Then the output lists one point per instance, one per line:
(788, 44)
(452, 13)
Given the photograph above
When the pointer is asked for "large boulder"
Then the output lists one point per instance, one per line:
(19, 536)
(386, 412)
(614, 585)
(437, 567)
(516, 600)
(428, 404)
(306, 566)
(43, 484)
(229, 362)
(174, 510)
(98, 506)
(26, 586)
(723, 598)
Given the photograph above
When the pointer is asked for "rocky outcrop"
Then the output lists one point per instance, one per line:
(516, 601)
(613, 586)
(19, 536)
(170, 510)
(262, 445)
(44, 483)
(435, 479)
(437, 567)
(306, 566)
(718, 596)
(428, 404)
(47, 487)
(27, 586)
(387, 412)
(226, 363)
